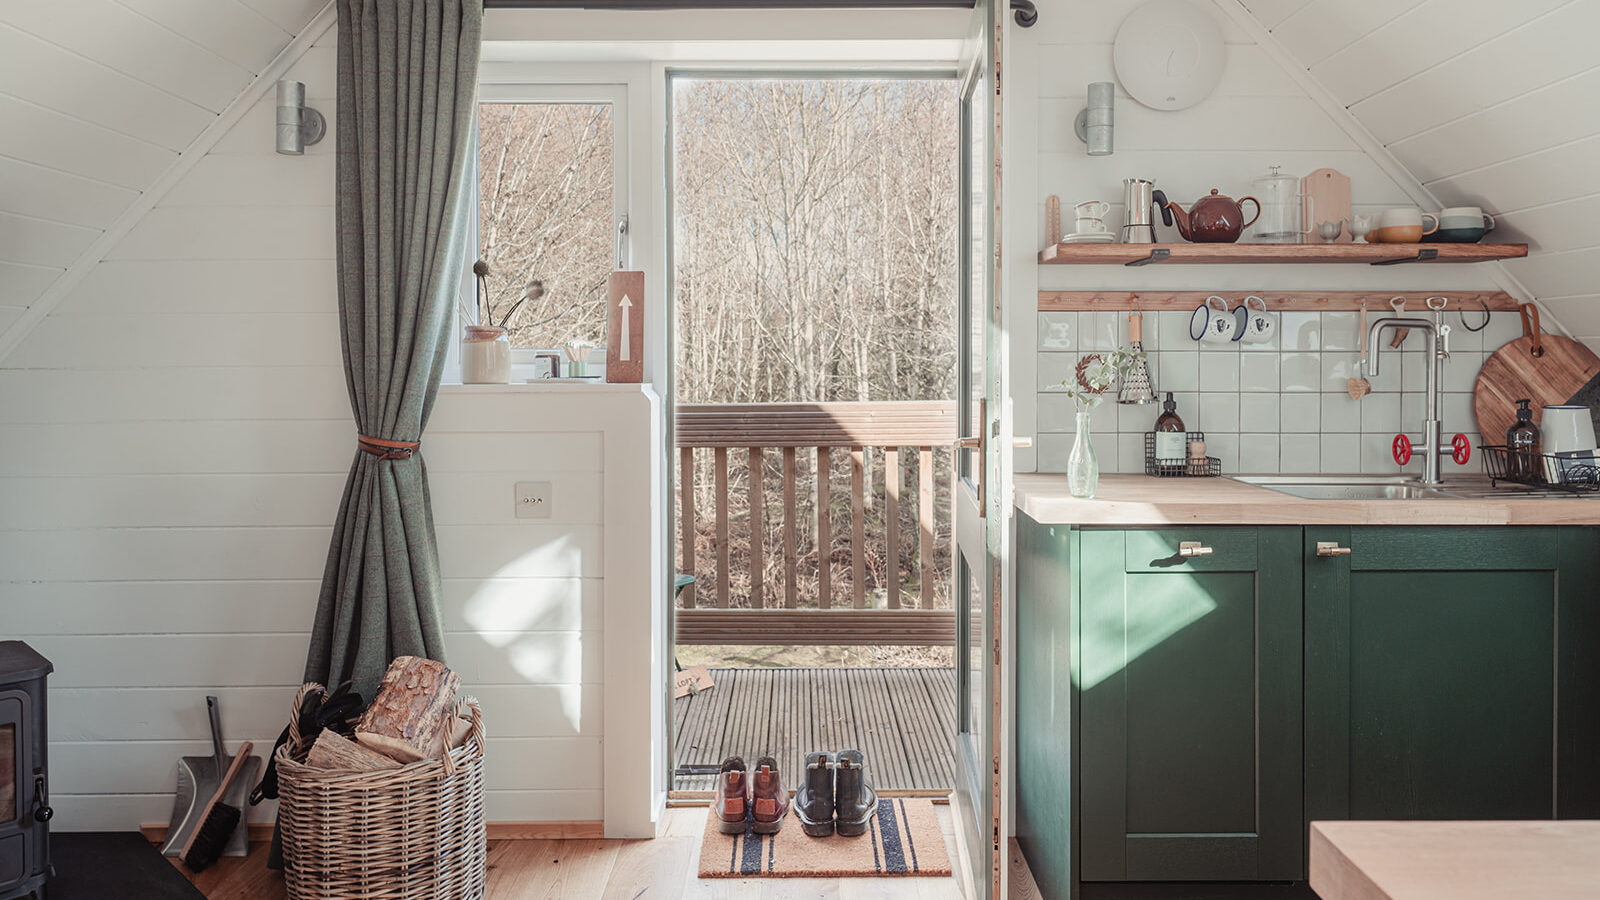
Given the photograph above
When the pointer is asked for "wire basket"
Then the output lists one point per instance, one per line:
(1179, 468)
(1577, 474)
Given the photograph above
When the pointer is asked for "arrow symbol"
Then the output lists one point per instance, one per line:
(627, 330)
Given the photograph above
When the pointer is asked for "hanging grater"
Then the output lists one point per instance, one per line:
(1136, 386)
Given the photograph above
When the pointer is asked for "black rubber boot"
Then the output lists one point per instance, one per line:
(813, 803)
(855, 801)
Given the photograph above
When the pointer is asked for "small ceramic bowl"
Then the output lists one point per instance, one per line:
(1456, 235)
(1395, 234)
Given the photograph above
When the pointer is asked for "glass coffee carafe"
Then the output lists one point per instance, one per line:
(1283, 213)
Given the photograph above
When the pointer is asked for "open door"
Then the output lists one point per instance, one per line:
(982, 470)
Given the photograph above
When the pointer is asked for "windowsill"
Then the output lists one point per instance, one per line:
(546, 386)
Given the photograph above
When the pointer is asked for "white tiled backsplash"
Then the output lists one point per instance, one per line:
(1280, 406)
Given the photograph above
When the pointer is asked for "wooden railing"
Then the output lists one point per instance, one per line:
(711, 614)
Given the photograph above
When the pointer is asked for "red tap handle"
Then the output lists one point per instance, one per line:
(1461, 449)
(1402, 449)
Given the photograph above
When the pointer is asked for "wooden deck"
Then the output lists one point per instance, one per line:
(902, 719)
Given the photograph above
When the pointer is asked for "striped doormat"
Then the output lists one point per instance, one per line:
(904, 839)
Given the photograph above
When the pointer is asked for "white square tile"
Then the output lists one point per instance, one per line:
(1259, 413)
(1300, 453)
(1187, 405)
(1219, 371)
(1053, 450)
(1258, 452)
(1301, 414)
(1340, 453)
(1099, 331)
(1179, 371)
(1339, 330)
(1138, 418)
(1462, 337)
(1300, 372)
(1456, 415)
(1380, 414)
(1218, 413)
(1225, 447)
(1341, 413)
(1258, 372)
(1461, 369)
(1105, 450)
(1412, 408)
(1051, 369)
(1130, 453)
(1338, 368)
(1414, 368)
(1504, 326)
(1058, 331)
(1173, 331)
(1055, 414)
(1103, 418)
(1377, 456)
(1300, 331)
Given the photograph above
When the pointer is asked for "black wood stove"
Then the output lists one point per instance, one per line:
(24, 782)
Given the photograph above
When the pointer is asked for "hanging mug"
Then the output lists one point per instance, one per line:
(1212, 324)
(1252, 325)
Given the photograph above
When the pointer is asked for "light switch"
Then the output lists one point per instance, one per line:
(533, 499)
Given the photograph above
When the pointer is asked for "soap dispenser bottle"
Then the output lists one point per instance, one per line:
(1171, 437)
(1522, 446)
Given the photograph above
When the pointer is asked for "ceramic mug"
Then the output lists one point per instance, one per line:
(1253, 326)
(1402, 225)
(1567, 427)
(1212, 324)
(1091, 225)
(1465, 217)
(1092, 209)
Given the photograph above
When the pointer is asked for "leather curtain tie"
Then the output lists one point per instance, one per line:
(387, 449)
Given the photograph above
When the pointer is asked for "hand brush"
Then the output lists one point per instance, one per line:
(218, 822)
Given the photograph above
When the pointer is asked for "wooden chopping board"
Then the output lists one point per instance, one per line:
(1329, 193)
(1566, 372)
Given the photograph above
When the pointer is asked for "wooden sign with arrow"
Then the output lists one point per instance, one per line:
(625, 331)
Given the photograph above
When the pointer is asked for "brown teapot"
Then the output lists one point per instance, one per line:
(1217, 219)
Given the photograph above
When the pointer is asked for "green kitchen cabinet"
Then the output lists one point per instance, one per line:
(1189, 678)
(1453, 673)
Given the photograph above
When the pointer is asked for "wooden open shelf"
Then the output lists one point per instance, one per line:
(1241, 254)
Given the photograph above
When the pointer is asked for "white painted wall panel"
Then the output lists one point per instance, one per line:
(43, 73)
(39, 396)
(207, 286)
(20, 284)
(1545, 50)
(1422, 37)
(1560, 226)
(1581, 315)
(259, 179)
(290, 15)
(1324, 27)
(227, 28)
(120, 38)
(231, 232)
(1565, 274)
(41, 242)
(1548, 176)
(46, 193)
(1272, 12)
(47, 138)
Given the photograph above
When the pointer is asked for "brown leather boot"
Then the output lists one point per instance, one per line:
(770, 798)
(732, 803)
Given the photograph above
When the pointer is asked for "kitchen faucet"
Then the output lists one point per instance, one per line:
(1432, 446)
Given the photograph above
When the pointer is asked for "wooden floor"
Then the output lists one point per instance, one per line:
(902, 719)
(611, 870)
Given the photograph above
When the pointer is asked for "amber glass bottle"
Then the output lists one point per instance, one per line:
(1172, 444)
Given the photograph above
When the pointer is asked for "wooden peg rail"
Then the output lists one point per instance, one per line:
(1294, 301)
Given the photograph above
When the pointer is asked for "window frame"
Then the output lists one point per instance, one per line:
(612, 91)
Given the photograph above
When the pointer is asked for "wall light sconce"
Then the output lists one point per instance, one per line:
(1095, 122)
(298, 124)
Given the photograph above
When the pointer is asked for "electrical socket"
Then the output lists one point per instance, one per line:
(533, 499)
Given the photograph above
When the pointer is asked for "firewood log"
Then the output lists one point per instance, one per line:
(332, 751)
(416, 696)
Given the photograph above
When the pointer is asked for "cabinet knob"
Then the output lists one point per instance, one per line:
(1193, 548)
(1331, 548)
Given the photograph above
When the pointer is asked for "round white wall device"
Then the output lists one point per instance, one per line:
(1169, 54)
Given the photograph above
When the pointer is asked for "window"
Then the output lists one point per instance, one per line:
(550, 160)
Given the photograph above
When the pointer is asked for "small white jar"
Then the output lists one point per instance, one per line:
(485, 355)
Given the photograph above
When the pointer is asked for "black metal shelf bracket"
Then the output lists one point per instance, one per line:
(1157, 254)
(1426, 254)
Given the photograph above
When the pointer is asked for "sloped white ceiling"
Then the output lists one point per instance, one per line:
(1488, 103)
(97, 99)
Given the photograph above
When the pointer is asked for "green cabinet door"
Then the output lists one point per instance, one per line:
(1450, 673)
(1189, 675)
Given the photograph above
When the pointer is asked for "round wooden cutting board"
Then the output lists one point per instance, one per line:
(1566, 372)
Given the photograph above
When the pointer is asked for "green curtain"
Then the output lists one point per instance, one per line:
(408, 82)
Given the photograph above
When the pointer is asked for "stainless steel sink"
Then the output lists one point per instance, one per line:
(1347, 487)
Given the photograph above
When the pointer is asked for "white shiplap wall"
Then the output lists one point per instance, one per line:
(1489, 104)
(174, 438)
(98, 99)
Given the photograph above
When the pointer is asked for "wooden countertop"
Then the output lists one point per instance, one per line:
(1144, 500)
(1455, 860)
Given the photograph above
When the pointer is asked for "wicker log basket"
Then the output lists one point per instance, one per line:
(416, 832)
